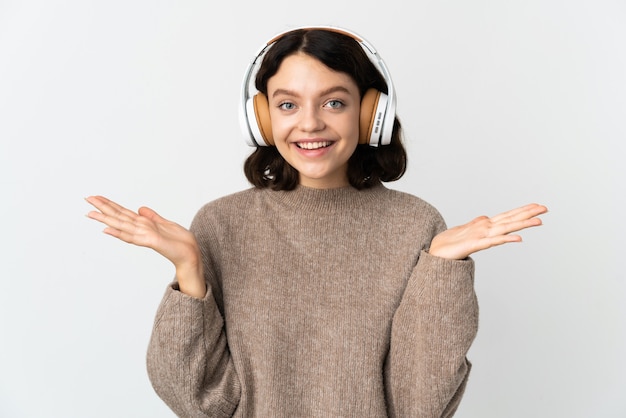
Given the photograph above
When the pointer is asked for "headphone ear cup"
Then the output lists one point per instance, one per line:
(262, 118)
(372, 114)
(373, 106)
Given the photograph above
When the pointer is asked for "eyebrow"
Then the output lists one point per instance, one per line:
(323, 93)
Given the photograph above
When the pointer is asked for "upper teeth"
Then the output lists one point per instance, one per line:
(313, 145)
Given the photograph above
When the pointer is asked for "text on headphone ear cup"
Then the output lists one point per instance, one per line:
(369, 103)
(262, 113)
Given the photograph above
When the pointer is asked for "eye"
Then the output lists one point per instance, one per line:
(286, 106)
(335, 104)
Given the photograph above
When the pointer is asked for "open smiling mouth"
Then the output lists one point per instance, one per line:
(313, 145)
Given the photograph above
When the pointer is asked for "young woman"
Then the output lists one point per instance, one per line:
(318, 292)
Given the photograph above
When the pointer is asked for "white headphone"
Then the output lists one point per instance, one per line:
(378, 110)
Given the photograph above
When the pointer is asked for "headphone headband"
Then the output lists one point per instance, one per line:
(383, 115)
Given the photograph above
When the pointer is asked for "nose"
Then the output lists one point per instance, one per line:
(311, 120)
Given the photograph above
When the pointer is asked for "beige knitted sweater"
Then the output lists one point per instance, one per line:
(321, 303)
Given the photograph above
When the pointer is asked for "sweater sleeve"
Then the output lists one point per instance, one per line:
(426, 370)
(188, 361)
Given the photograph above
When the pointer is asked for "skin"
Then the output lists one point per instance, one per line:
(310, 105)
(315, 119)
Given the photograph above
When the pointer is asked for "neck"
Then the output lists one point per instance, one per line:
(325, 183)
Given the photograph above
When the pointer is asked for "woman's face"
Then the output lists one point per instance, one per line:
(315, 119)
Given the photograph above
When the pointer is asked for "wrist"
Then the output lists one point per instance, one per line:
(190, 280)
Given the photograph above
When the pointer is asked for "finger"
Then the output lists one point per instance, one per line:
(500, 240)
(113, 224)
(109, 212)
(486, 243)
(98, 201)
(151, 214)
(116, 219)
(514, 213)
(127, 234)
(506, 228)
(139, 230)
(109, 207)
(523, 212)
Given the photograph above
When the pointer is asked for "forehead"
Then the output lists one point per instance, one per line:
(302, 70)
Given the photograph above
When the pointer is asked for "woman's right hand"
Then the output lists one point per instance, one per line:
(146, 228)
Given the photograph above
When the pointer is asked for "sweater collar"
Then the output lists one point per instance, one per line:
(343, 198)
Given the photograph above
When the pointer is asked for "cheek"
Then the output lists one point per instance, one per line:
(279, 125)
(352, 128)
(280, 132)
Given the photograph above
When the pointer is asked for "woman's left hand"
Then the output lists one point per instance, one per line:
(484, 232)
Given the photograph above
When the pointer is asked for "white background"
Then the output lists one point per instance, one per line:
(503, 103)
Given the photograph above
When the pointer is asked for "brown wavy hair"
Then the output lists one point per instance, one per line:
(368, 165)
